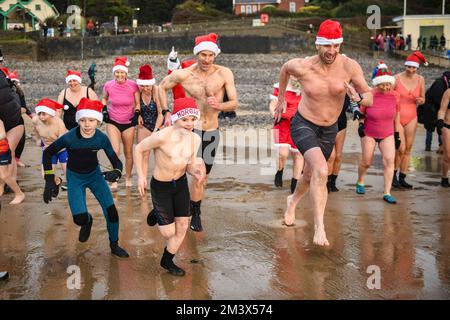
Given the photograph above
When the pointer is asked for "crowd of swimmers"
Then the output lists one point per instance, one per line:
(308, 105)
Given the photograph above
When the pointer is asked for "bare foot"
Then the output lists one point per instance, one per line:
(20, 164)
(128, 183)
(18, 198)
(289, 214)
(320, 237)
(114, 186)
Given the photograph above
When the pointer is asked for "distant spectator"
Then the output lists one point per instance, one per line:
(61, 29)
(424, 43)
(91, 73)
(97, 28)
(380, 42)
(408, 45)
(443, 42)
(392, 43)
(45, 28)
(419, 43)
(90, 28)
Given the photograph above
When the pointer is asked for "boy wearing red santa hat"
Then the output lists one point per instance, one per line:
(83, 172)
(207, 83)
(175, 150)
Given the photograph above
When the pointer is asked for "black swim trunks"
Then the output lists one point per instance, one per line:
(210, 142)
(307, 135)
(5, 158)
(121, 127)
(170, 199)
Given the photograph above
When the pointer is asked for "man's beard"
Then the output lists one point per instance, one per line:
(324, 60)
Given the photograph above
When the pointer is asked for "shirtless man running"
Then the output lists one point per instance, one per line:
(207, 83)
(325, 79)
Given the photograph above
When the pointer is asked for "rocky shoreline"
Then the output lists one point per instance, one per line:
(254, 77)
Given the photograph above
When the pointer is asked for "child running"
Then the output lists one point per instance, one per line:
(378, 127)
(83, 171)
(282, 133)
(175, 150)
(50, 127)
(5, 160)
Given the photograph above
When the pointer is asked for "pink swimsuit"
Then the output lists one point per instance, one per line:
(408, 104)
(121, 100)
(380, 117)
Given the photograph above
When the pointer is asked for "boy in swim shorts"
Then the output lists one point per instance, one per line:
(175, 149)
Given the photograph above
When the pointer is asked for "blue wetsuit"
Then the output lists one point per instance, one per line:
(83, 171)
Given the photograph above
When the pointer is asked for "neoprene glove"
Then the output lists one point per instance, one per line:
(134, 120)
(105, 113)
(439, 126)
(113, 175)
(357, 115)
(50, 187)
(361, 130)
(397, 140)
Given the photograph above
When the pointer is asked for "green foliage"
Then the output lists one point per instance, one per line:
(192, 10)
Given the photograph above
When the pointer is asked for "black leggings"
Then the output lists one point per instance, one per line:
(170, 199)
(20, 146)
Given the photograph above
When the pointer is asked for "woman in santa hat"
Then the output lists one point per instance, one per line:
(380, 125)
(150, 108)
(122, 108)
(411, 87)
(70, 97)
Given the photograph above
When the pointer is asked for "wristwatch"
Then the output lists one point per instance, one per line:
(165, 111)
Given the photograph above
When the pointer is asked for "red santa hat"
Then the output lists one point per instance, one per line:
(145, 76)
(415, 59)
(73, 75)
(382, 74)
(330, 32)
(5, 71)
(13, 76)
(187, 63)
(121, 63)
(89, 109)
(184, 107)
(207, 42)
(48, 106)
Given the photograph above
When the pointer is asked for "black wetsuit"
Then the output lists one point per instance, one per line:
(83, 171)
(10, 112)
